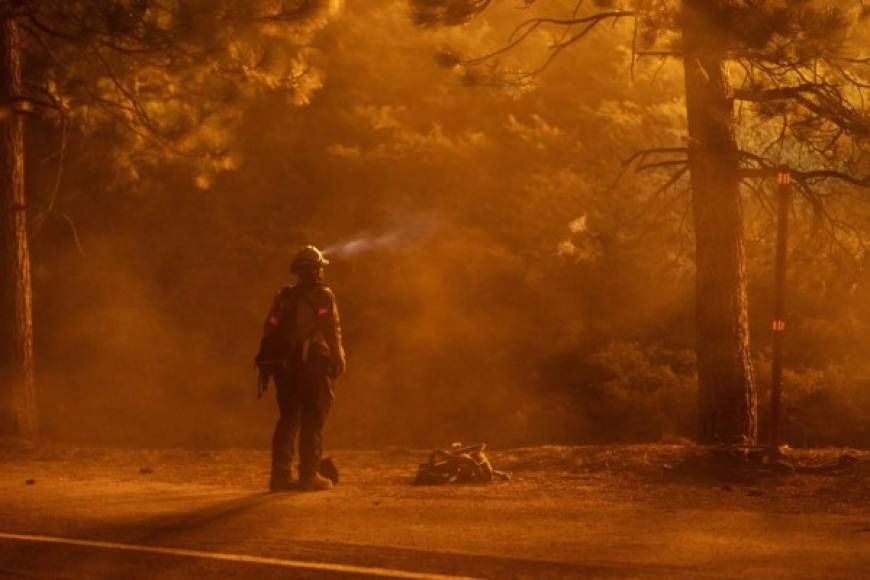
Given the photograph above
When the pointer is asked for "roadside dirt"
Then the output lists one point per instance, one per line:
(640, 511)
(656, 476)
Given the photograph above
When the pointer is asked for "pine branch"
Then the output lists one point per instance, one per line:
(756, 95)
(661, 164)
(830, 105)
(527, 27)
(642, 154)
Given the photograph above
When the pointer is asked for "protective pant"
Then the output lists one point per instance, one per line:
(304, 401)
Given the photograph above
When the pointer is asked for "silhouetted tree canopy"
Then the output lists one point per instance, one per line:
(515, 294)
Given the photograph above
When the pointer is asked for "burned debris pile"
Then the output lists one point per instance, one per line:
(459, 464)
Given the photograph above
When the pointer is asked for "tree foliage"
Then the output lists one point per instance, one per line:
(169, 79)
(793, 60)
(530, 308)
(164, 79)
(799, 72)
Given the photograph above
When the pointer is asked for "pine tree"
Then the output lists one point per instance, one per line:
(796, 65)
(168, 78)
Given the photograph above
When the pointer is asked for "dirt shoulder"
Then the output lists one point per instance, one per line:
(636, 511)
(660, 476)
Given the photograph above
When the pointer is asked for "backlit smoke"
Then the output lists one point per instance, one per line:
(412, 230)
(363, 244)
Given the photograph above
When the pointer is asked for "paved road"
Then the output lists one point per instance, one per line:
(136, 529)
(148, 534)
(44, 557)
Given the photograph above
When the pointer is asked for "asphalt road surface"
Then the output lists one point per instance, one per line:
(139, 527)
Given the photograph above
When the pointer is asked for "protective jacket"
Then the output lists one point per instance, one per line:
(302, 323)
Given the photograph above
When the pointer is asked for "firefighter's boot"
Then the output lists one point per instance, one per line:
(314, 482)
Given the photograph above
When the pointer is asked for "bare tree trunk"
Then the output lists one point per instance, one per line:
(727, 394)
(17, 393)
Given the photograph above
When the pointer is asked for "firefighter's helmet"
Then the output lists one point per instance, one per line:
(308, 257)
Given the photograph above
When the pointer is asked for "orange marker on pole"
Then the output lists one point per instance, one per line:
(783, 178)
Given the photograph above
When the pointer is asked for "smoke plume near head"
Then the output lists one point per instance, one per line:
(410, 230)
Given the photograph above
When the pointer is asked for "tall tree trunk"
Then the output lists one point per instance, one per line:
(727, 394)
(17, 393)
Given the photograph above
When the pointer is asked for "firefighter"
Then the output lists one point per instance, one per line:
(302, 351)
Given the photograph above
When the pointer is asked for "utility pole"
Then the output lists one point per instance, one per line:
(778, 325)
